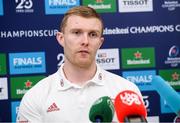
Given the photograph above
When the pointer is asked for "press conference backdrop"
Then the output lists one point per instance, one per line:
(142, 39)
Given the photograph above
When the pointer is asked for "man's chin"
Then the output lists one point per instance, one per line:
(84, 64)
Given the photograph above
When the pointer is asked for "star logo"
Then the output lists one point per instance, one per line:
(28, 84)
(175, 76)
(99, 1)
(138, 55)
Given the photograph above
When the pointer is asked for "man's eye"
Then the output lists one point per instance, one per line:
(93, 35)
(76, 32)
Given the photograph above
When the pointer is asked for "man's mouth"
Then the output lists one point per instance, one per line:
(83, 51)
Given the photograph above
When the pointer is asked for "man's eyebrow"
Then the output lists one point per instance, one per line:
(75, 29)
(91, 30)
(95, 30)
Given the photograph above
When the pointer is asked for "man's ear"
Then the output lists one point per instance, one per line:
(101, 41)
(60, 38)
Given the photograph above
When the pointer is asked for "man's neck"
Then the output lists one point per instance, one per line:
(79, 75)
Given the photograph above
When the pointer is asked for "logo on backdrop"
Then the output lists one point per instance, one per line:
(3, 69)
(24, 6)
(108, 58)
(135, 5)
(60, 59)
(146, 102)
(25, 63)
(150, 29)
(59, 6)
(151, 105)
(29, 33)
(142, 79)
(172, 76)
(1, 8)
(177, 119)
(14, 110)
(174, 56)
(171, 4)
(101, 5)
(138, 57)
(20, 85)
(3, 89)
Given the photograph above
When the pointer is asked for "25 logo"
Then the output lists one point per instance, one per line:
(60, 58)
(24, 4)
(146, 101)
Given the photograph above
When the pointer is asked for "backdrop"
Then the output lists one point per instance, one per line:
(142, 39)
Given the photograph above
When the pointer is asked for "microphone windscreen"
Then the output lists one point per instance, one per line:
(167, 92)
(102, 110)
(129, 104)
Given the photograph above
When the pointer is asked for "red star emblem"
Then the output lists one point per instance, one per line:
(99, 1)
(175, 76)
(138, 55)
(28, 84)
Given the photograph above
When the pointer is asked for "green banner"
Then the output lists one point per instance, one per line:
(138, 58)
(20, 85)
(3, 69)
(101, 6)
(172, 76)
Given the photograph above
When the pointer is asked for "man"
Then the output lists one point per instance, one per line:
(67, 95)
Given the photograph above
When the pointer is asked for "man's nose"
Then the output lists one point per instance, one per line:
(85, 39)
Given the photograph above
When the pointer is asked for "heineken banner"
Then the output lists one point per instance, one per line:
(142, 39)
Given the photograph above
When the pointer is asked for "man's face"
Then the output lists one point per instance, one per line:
(81, 39)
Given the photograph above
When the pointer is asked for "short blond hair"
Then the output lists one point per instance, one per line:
(83, 11)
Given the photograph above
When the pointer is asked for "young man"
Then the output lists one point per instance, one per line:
(67, 95)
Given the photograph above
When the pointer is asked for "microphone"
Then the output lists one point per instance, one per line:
(130, 107)
(168, 93)
(102, 110)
